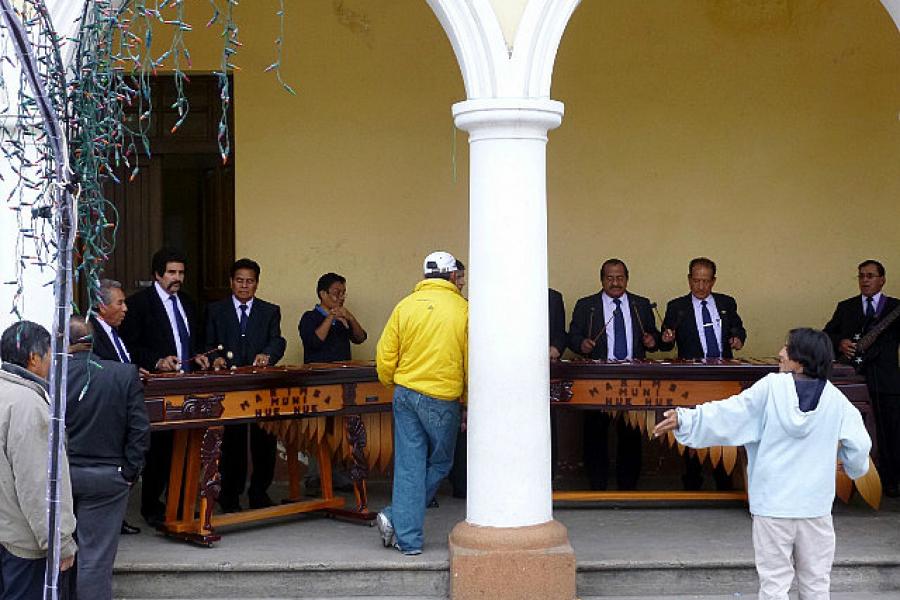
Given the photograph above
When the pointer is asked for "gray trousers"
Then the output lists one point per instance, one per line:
(101, 496)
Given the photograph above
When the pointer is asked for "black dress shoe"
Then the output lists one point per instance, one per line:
(260, 500)
(892, 490)
(129, 529)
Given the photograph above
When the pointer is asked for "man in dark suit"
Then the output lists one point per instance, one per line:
(855, 317)
(162, 333)
(612, 324)
(704, 325)
(250, 329)
(107, 433)
(107, 344)
(557, 314)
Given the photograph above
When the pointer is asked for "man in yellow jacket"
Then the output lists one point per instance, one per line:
(423, 354)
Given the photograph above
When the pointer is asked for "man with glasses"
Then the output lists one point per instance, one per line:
(327, 330)
(704, 325)
(613, 324)
(852, 319)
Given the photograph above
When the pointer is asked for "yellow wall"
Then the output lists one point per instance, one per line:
(762, 134)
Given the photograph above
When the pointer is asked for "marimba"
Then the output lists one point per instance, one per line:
(340, 411)
(640, 391)
(336, 410)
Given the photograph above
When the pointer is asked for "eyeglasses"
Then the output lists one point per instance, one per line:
(862, 276)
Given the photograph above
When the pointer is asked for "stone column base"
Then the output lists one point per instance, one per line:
(500, 563)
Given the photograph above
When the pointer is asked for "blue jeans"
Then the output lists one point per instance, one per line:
(424, 440)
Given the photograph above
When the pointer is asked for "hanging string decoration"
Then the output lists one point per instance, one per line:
(29, 162)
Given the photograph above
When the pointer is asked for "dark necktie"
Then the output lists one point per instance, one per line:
(620, 344)
(119, 347)
(712, 344)
(244, 319)
(870, 308)
(183, 336)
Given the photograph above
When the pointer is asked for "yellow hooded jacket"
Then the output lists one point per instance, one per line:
(424, 346)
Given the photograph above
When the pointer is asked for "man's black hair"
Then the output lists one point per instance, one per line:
(812, 349)
(21, 340)
(611, 263)
(327, 280)
(702, 261)
(878, 266)
(163, 257)
(245, 263)
(444, 276)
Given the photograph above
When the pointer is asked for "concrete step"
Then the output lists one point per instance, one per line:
(292, 581)
(725, 579)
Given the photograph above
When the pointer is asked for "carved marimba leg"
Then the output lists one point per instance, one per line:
(359, 468)
(210, 479)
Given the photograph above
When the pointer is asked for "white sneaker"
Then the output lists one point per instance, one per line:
(386, 529)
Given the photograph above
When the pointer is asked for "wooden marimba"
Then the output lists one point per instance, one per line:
(640, 391)
(340, 411)
(335, 410)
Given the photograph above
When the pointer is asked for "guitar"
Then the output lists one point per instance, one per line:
(865, 341)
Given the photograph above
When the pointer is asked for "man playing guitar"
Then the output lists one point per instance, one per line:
(865, 331)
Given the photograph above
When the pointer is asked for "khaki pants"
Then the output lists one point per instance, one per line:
(785, 545)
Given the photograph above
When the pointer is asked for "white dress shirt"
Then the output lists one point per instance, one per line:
(609, 307)
(713, 315)
(167, 304)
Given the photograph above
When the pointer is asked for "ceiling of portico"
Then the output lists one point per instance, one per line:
(509, 14)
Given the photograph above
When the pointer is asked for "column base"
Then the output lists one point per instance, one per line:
(500, 563)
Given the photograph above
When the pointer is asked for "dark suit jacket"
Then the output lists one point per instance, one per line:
(103, 346)
(641, 315)
(106, 422)
(557, 313)
(147, 332)
(263, 331)
(880, 365)
(680, 317)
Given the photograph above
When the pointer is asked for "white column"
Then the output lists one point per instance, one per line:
(509, 482)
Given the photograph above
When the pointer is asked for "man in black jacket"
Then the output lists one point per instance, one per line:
(162, 333)
(249, 331)
(854, 318)
(106, 340)
(715, 333)
(612, 324)
(557, 313)
(107, 435)
(704, 325)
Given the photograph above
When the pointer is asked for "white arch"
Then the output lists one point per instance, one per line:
(489, 68)
(537, 41)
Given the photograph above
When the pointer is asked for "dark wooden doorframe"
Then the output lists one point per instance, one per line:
(140, 202)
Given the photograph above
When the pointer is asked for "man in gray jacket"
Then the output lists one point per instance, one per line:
(24, 425)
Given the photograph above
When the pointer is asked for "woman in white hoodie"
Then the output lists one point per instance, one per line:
(790, 424)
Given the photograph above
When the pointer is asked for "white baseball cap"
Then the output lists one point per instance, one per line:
(439, 262)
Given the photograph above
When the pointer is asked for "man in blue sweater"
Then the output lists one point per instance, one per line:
(790, 424)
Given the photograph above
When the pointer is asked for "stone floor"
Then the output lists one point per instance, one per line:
(611, 543)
